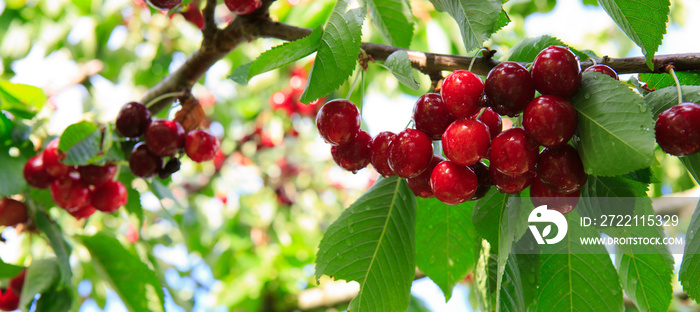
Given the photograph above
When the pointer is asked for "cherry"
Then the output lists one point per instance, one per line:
(109, 196)
(410, 153)
(561, 169)
(491, 119)
(52, 160)
(282, 100)
(165, 137)
(512, 152)
(420, 185)
(484, 181)
(453, 184)
(35, 173)
(431, 115)
(466, 141)
(9, 300)
(17, 282)
(542, 195)
(461, 91)
(556, 70)
(242, 7)
(96, 175)
(69, 192)
(550, 120)
(82, 212)
(379, 153)
(678, 129)
(132, 120)
(165, 4)
(201, 145)
(603, 69)
(354, 154)
(12, 212)
(194, 15)
(172, 166)
(142, 162)
(511, 184)
(510, 85)
(337, 121)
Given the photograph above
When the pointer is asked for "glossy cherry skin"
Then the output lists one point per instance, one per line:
(453, 184)
(379, 153)
(143, 163)
(52, 158)
(678, 129)
(165, 4)
(511, 184)
(466, 141)
(9, 300)
(492, 120)
(556, 70)
(242, 7)
(550, 120)
(82, 212)
(482, 176)
(510, 85)
(17, 282)
(410, 153)
(561, 169)
(12, 212)
(201, 145)
(109, 196)
(603, 69)
(132, 120)
(194, 15)
(35, 174)
(165, 137)
(542, 195)
(96, 175)
(337, 121)
(420, 185)
(461, 91)
(69, 192)
(512, 152)
(354, 154)
(431, 115)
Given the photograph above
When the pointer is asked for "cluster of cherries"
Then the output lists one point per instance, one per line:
(465, 117)
(240, 7)
(287, 100)
(9, 297)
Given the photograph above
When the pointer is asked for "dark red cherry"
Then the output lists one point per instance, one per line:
(431, 115)
(353, 155)
(201, 145)
(165, 4)
(338, 121)
(603, 69)
(69, 192)
(542, 195)
(511, 184)
(165, 137)
(550, 120)
(466, 141)
(491, 119)
(96, 175)
(143, 163)
(379, 153)
(420, 185)
(9, 300)
(108, 196)
(194, 15)
(52, 158)
(678, 129)
(82, 212)
(556, 70)
(461, 91)
(17, 282)
(242, 7)
(453, 184)
(133, 119)
(482, 176)
(510, 85)
(561, 169)
(410, 153)
(512, 152)
(12, 212)
(35, 173)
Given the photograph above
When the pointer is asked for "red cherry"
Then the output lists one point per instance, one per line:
(69, 192)
(453, 184)
(132, 120)
(561, 169)
(431, 115)
(282, 100)
(678, 129)
(82, 212)
(194, 15)
(491, 119)
(466, 141)
(512, 152)
(96, 175)
(338, 121)
(420, 185)
(109, 196)
(165, 137)
(379, 153)
(12, 212)
(510, 85)
(201, 145)
(9, 300)
(482, 176)
(550, 120)
(603, 69)
(52, 160)
(17, 282)
(542, 195)
(164, 4)
(143, 163)
(511, 184)
(410, 153)
(556, 70)
(354, 154)
(461, 91)
(35, 173)
(242, 7)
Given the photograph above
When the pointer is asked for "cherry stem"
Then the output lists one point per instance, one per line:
(678, 85)
(354, 84)
(165, 96)
(474, 58)
(481, 112)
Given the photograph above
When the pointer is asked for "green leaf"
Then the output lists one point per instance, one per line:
(41, 276)
(337, 52)
(11, 173)
(576, 277)
(9, 270)
(393, 19)
(692, 163)
(477, 19)
(660, 81)
(240, 74)
(642, 21)
(527, 49)
(485, 276)
(137, 286)
(614, 125)
(373, 243)
(23, 101)
(55, 301)
(512, 290)
(5, 128)
(57, 242)
(445, 238)
(81, 142)
(689, 274)
(285, 53)
(663, 99)
(400, 66)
